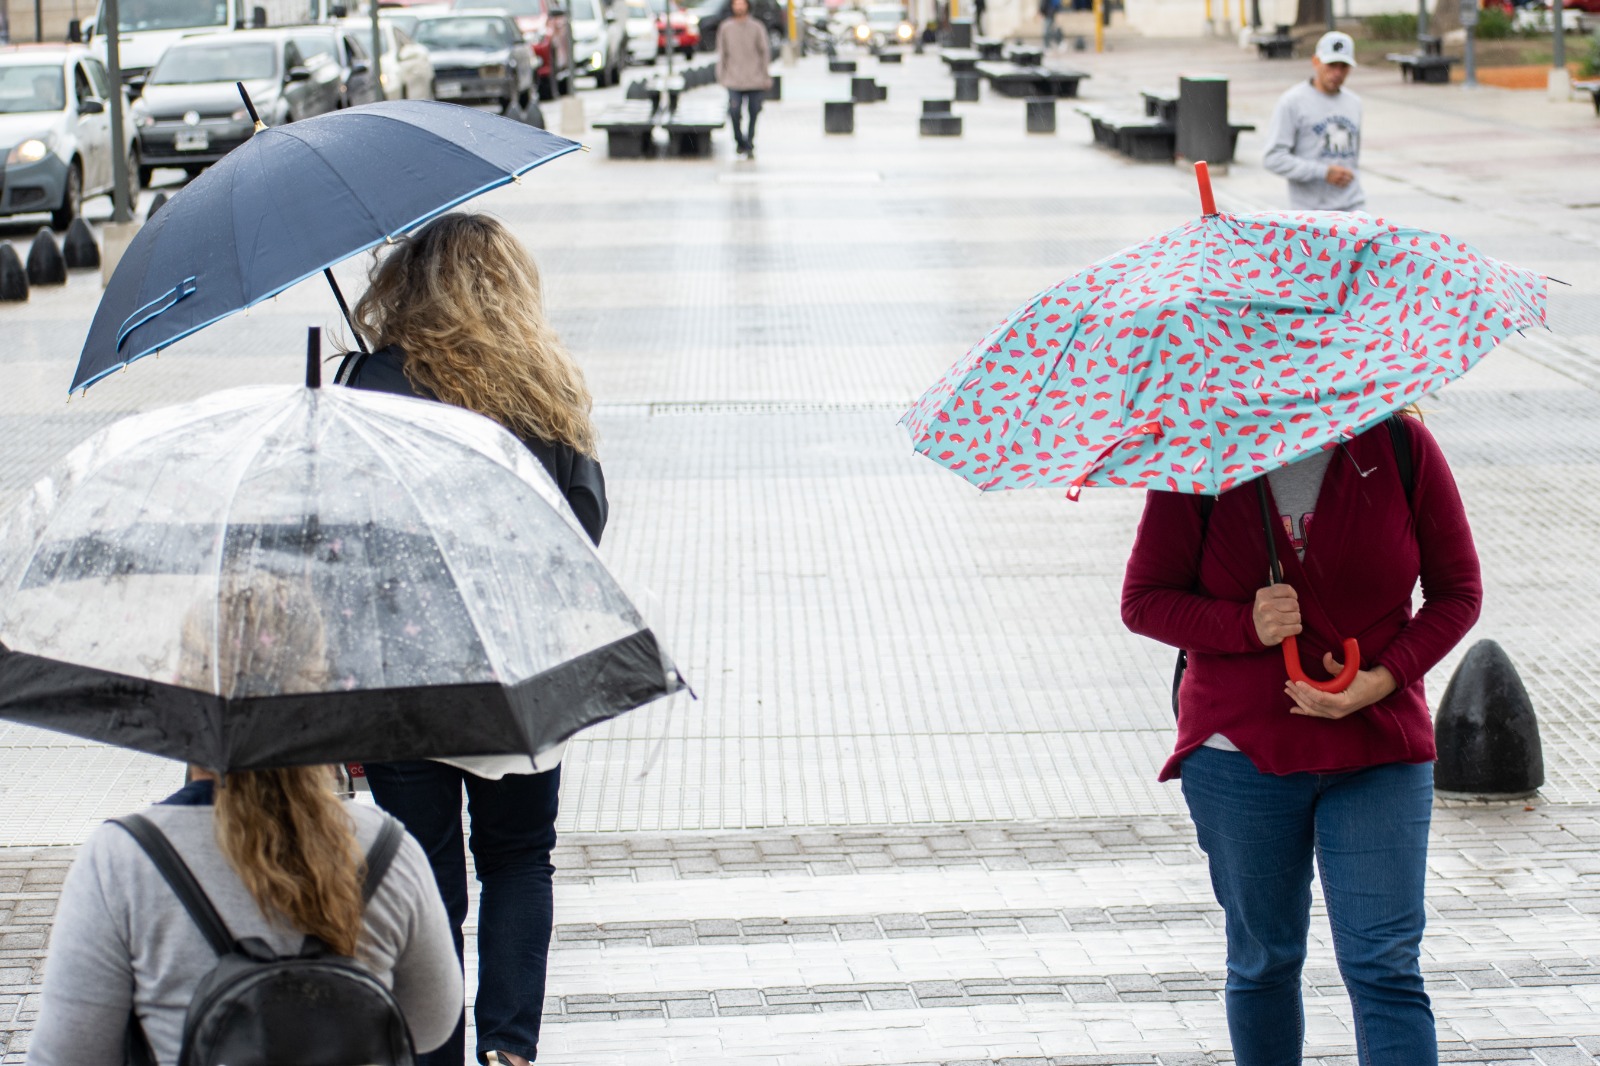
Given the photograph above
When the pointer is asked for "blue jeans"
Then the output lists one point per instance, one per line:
(1368, 831)
(744, 101)
(513, 830)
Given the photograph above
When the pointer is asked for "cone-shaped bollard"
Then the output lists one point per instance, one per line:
(80, 249)
(45, 265)
(13, 279)
(1487, 734)
(156, 203)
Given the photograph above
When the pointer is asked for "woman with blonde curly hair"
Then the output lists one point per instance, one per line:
(454, 313)
(278, 854)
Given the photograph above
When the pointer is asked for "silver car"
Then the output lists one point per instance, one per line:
(55, 131)
(404, 66)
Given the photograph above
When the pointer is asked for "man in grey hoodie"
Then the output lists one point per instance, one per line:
(1314, 139)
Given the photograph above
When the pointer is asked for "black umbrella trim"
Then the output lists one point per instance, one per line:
(372, 725)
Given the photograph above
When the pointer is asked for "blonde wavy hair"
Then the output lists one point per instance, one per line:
(285, 832)
(461, 297)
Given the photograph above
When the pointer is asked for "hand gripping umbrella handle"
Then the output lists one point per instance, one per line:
(1352, 665)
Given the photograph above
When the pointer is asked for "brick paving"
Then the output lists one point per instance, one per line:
(901, 827)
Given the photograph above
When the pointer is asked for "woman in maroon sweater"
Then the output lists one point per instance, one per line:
(1276, 772)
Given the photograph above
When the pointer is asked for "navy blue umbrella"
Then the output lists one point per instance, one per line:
(293, 201)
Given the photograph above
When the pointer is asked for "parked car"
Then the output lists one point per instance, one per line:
(189, 113)
(886, 26)
(644, 39)
(599, 40)
(480, 59)
(404, 69)
(347, 51)
(544, 24)
(685, 27)
(55, 131)
(768, 12)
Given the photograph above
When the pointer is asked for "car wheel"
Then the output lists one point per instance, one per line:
(146, 175)
(71, 198)
(136, 176)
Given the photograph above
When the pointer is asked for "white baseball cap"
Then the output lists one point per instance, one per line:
(1336, 47)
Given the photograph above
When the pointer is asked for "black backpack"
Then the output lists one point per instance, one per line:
(1402, 458)
(257, 1008)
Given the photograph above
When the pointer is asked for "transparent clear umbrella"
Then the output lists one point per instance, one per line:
(276, 576)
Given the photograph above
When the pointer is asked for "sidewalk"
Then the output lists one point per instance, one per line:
(913, 816)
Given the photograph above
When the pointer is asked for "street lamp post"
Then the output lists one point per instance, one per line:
(1469, 22)
(121, 209)
(377, 51)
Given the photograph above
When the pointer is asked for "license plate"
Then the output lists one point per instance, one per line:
(448, 90)
(191, 141)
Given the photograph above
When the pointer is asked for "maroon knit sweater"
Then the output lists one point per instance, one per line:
(1364, 554)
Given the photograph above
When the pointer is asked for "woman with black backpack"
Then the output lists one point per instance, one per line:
(280, 871)
(455, 314)
(1280, 774)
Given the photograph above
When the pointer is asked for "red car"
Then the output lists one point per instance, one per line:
(685, 30)
(546, 31)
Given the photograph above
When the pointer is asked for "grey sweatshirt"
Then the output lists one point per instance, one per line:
(1311, 131)
(743, 54)
(122, 940)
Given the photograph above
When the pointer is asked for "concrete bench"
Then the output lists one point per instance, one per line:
(1009, 79)
(1162, 104)
(1025, 57)
(629, 127)
(1138, 137)
(1593, 89)
(990, 47)
(1279, 44)
(690, 125)
(939, 125)
(958, 59)
(1422, 68)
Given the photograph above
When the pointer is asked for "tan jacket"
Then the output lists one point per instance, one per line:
(743, 54)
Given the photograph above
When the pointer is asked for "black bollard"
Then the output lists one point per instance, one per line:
(81, 252)
(13, 279)
(1041, 114)
(45, 265)
(939, 124)
(157, 202)
(775, 90)
(1487, 734)
(839, 116)
(966, 86)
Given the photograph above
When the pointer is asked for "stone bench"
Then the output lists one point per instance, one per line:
(1139, 137)
(629, 128)
(1422, 67)
(1009, 79)
(690, 125)
(1279, 44)
(1593, 89)
(958, 59)
(1162, 104)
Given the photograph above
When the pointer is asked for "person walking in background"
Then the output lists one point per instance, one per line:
(743, 59)
(1314, 138)
(454, 313)
(978, 9)
(280, 856)
(1048, 10)
(1276, 773)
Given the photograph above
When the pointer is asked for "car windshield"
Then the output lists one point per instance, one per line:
(580, 9)
(197, 63)
(312, 45)
(885, 16)
(32, 88)
(403, 23)
(638, 9)
(479, 33)
(514, 8)
(134, 15)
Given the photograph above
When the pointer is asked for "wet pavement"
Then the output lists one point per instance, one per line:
(913, 816)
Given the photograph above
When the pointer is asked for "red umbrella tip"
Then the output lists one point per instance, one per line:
(1202, 176)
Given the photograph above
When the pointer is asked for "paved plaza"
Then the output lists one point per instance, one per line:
(912, 816)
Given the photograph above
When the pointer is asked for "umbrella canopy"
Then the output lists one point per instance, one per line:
(1219, 351)
(276, 576)
(293, 201)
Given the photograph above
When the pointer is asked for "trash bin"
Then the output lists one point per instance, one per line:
(1203, 131)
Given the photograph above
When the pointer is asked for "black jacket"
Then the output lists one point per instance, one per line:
(578, 476)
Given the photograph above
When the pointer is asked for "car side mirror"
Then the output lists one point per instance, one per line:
(91, 107)
(75, 32)
(135, 87)
(297, 74)
(361, 66)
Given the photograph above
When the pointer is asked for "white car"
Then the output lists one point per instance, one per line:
(55, 131)
(405, 69)
(599, 40)
(644, 39)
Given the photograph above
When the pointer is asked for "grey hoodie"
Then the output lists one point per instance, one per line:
(1311, 131)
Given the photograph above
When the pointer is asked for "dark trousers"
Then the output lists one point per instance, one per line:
(739, 102)
(513, 829)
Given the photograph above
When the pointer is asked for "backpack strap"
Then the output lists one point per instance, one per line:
(382, 854)
(181, 878)
(1401, 439)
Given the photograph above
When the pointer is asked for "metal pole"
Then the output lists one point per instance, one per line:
(1333, 20)
(121, 209)
(38, 21)
(672, 44)
(1422, 19)
(377, 51)
(1099, 26)
(1558, 54)
(1469, 22)
(794, 25)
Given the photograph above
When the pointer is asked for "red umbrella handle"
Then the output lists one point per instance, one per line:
(1352, 665)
